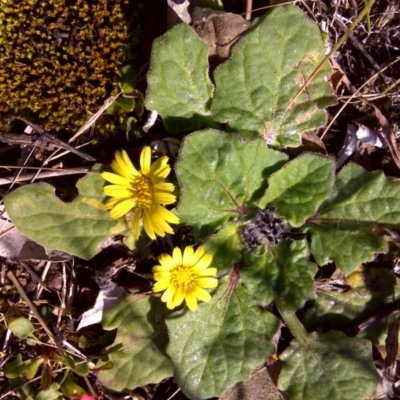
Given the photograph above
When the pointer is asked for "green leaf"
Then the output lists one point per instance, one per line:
(32, 367)
(370, 289)
(78, 227)
(24, 390)
(267, 68)
(179, 88)
(221, 342)
(143, 336)
(283, 273)
(225, 246)
(328, 366)
(344, 230)
(15, 368)
(221, 175)
(126, 103)
(129, 78)
(300, 187)
(347, 246)
(52, 393)
(21, 327)
(70, 388)
(362, 196)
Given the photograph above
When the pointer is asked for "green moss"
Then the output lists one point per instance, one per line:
(60, 59)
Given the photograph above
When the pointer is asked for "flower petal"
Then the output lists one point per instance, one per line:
(166, 261)
(160, 286)
(179, 296)
(159, 224)
(160, 168)
(148, 226)
(165, 214)
(191, 301)
(200, 251)
(188, 256)
(177, 256)
(204, 261)
(114, 178)
(120, 167)
(164, 187)
(145, 160)
(202, 294)
(207, 283)
(122, 208)
(111, 202)
(168, 294)
(164, 198)
(136, 224)
(128, 163)
(201, 272)
(117, 191)
(162, 275)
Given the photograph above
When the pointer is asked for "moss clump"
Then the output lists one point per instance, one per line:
(60, 59)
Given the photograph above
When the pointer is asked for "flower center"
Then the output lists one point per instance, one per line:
(142, 191)
(183, 276)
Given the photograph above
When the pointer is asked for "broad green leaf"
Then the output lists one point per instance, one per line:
(52, 393)
(225, 246)
(221, 342)
(300, 187)
(221, 175)
(283, 272)
(344, 229)
(21, 327)
(15, 368)
(328, 366)
(179, 88)
(370, 289)
(78, 227)
(347, 246)
(143, 336)
(267, 68)
(362, 196)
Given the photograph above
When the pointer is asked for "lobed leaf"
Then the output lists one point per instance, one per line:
(300, 187)
(220, 343)
(369, 290)
(179, 87)
(328, 366)
(267, 68)
(348, 246)
(225, 246)
(283, 272)
(143, 336)
(362, 196)
(345, 229)
(78, 227)
(220, 175)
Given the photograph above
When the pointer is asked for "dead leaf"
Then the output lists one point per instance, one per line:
(220, 31)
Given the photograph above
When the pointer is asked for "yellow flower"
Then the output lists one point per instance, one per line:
(144, 191)
(185, 277)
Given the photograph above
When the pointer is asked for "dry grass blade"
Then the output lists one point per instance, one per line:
(32, 307)
(43, 175)
(94, 117)
(332, 52)
(355, 93)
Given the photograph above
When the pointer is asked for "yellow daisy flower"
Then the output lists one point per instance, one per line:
(143, 191)
(185, 277)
